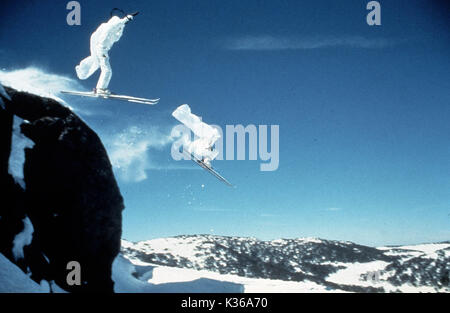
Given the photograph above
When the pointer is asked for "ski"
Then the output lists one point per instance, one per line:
(112, 96)
(210, 169)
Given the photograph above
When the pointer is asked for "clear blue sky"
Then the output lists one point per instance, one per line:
(363, 112)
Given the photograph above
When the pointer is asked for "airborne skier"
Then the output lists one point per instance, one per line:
(201, 149)
(101, 42)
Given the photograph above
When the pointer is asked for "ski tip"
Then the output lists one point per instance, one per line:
(144, 102)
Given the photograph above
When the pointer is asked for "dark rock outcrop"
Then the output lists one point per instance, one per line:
(71, 196)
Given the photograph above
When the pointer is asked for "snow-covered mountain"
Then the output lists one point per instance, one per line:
(292, 265)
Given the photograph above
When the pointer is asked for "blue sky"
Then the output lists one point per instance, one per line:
(363, 112)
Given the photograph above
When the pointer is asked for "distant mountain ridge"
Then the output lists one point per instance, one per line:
(337, 265)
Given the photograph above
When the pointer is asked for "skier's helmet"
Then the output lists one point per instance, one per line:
(120, 13)
(117, 12)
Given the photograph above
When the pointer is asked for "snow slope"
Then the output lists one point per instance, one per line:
(154, 278)
(3, 94)
(293, 265)
(22, 239)
(125, 281)
(13, 280)
(17, 157)
(38, 82)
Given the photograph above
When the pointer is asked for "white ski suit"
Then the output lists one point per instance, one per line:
(207, 135)
(101, 41)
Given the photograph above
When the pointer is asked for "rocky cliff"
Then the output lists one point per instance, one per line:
(68, 195)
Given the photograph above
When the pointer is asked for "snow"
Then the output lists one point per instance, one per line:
(4, 95)
(174, 246)
(12, 279)
(17, 157)
(279, 241)
(310, 240)
(424, 250)
(351, 275)
(156, 278)
(125, 282)
(38, 82)
(197, 249)
(46, 259)
(407, 288)
(428, 249)
(180, 248)
(22, 239)
(164, 274)
(303, 240)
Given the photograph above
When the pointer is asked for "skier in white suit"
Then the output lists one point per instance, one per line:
(202, 146)
(101, 42)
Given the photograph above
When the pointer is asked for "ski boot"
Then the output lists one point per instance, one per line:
(102, 92)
